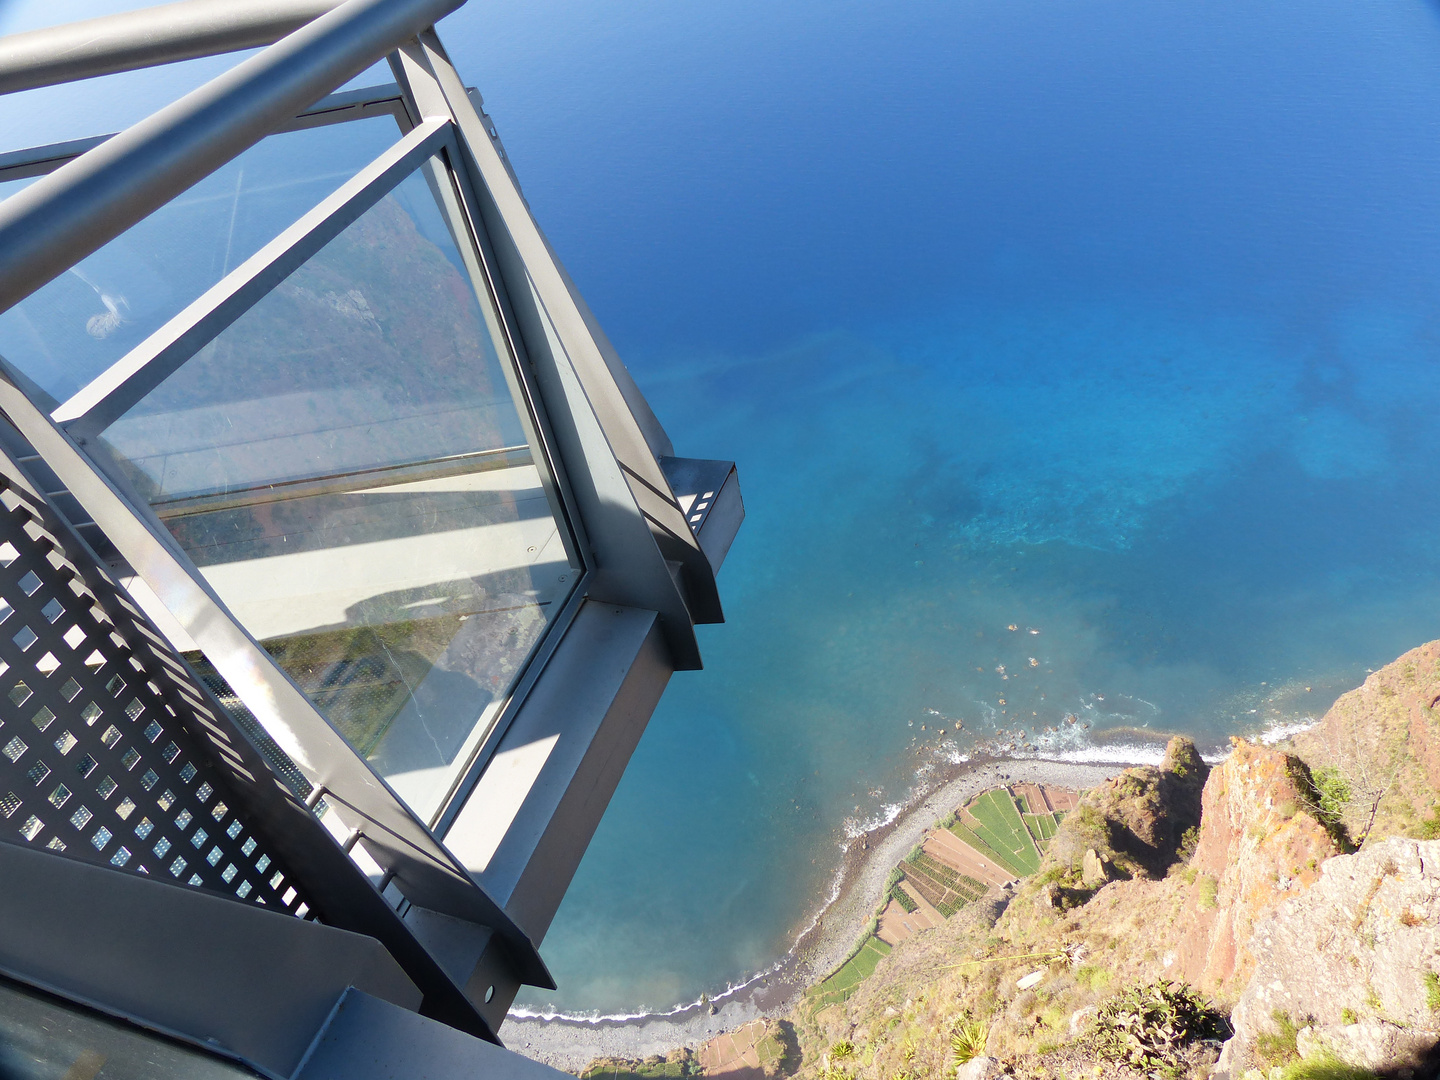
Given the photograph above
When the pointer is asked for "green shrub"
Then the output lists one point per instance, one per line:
(1349, 1016)
(1332, 794)
(1095, 978)
(1189, 841)
(1209, 890)
(968, 1038)
(1147, 1027)
(1278, 1047)
(904, 899)
(1432, 991)
(1427, 829)
(1325, 1067)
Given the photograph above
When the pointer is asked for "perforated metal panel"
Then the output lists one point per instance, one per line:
(97, 759)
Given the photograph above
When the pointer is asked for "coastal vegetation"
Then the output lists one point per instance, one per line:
(1150, 1027)
(846, 978)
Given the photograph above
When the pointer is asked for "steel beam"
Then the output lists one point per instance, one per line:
(145, 38)
(82, 205)
(334, 109)
(257, 983)
(368, 1038)
(628, 425)
(630, 515)
(531, 816)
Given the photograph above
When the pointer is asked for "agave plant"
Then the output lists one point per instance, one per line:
(968, 1037)
(1148, 1027)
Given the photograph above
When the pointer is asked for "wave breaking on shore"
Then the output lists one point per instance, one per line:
(819, 940)
(948, 776)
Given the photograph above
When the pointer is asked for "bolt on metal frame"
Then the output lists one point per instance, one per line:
(603, 455)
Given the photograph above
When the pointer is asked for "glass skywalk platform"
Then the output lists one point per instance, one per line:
(343, 561)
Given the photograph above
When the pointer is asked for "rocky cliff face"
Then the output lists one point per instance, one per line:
(1158, 873)
(1258, 844)
(1381, 742)
(1351, 962)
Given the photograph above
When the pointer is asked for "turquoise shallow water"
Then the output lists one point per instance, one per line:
(1115, 323)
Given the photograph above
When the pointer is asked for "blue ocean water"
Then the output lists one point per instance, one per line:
(1115, 323)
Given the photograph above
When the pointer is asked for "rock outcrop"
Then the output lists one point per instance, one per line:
(1136, 822)
(1258, 844)
(1353, 962)
(1382, 740)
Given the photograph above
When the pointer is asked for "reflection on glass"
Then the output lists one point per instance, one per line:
(44, 1038)
(71, 330)
(348, 467)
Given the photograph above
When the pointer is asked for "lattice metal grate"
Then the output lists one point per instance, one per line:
(95, 761)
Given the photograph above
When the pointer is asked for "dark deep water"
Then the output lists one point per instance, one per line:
(1119, 323)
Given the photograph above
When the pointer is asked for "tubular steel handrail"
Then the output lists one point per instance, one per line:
(82, 205)
(147, 38)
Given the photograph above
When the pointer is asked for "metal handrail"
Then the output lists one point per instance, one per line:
(346, 483)
(146, 38)
(81, 206)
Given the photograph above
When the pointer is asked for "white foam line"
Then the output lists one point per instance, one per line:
(856, 829)
(1280, 732)
(594, 1019)
(1119, 754)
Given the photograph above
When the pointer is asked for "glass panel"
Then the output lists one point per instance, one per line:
(348, 466)
(70, 331)
(45, 1038)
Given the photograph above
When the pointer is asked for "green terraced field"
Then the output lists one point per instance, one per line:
(903, 898)
(943, 887)
(976, 841)
(842, 984)
(1002, 828)
(1041, 826)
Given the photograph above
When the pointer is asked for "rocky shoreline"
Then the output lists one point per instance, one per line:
(570, 1043)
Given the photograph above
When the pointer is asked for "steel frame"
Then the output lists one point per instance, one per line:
(124, 383)
(338, 108)
(145, 38)
(600, 446)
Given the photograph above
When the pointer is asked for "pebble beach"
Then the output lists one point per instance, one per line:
(570, 1043)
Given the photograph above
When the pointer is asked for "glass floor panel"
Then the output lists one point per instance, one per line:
(348, 467)
(76, 326)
